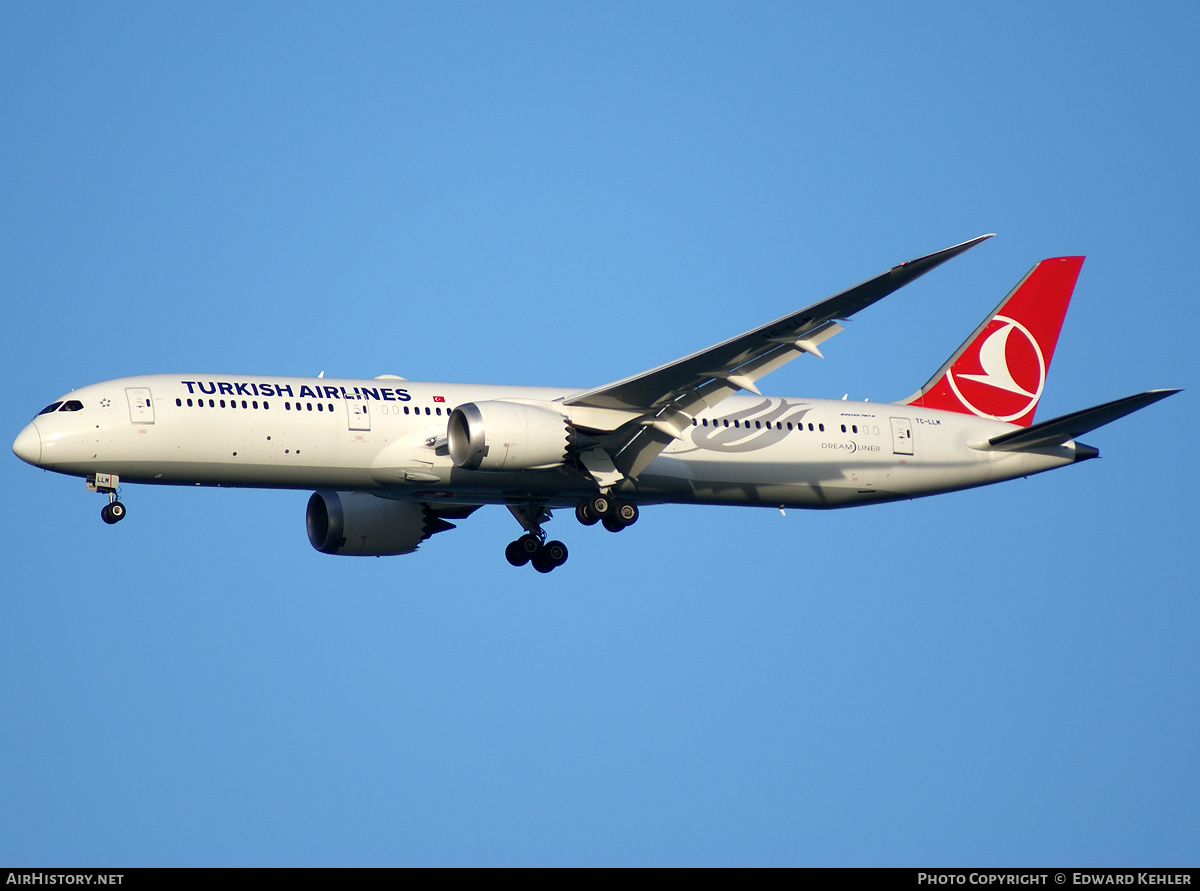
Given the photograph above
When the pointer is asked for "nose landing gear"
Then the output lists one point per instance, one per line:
(106, 484)
(113, 512)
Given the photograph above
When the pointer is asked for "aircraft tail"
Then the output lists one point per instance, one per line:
(1000, 371)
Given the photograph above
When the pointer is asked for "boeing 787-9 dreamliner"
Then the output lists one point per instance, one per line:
(393, 461)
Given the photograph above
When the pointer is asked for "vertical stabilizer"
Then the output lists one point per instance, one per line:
(1001, 369)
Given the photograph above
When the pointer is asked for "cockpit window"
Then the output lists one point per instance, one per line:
(71, 405)
(53, 406)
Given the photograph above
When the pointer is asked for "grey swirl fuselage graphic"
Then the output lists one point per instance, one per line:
(748, 429)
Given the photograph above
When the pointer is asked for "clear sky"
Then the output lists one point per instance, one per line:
(568, 194)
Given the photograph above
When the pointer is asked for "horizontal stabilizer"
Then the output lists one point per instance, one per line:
(1057, 431)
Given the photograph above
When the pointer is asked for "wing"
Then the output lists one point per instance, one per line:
(664, 399)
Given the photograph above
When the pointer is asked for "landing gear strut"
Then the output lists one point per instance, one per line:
(532, 547)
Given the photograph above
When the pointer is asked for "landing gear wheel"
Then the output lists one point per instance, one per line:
(612, 524)
(529, 545)
(555, 552)
(600, 506)
(583, 513)
(113, 512)
(626, 512)
(551, 555)
(515, 554)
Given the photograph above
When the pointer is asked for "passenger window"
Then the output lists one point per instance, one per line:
(255, 403)
(53, 406)
(266, 405)
(331, 406)
(854, 428)
(822, 426)
(789, 423)
(72, 405)
(189, 403)
(427, 409)
(212, 404)
(758, 424)
(406, 409)
(222, 403)
(309, 404)
(843, 428)
(320, 407)
(179, 402)
(244, 404)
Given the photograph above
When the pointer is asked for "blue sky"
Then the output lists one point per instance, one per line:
(568, 194)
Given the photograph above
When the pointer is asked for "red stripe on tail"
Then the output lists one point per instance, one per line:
(1001, 370)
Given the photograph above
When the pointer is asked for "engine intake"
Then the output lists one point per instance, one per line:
(507, 436)
(360, 524)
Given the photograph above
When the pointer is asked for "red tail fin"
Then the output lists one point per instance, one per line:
(1001, 369)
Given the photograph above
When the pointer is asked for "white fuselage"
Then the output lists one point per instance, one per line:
(389, 437)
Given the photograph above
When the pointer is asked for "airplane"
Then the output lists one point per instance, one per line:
(392, 462)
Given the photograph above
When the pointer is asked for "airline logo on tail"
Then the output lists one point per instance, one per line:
(1000, 371)
(1012, 371)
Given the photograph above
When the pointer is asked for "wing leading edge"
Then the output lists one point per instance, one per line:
(665, 399)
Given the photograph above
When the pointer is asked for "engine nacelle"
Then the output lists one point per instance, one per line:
(507, 436)
(359, 524)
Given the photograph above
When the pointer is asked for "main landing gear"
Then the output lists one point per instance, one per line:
(532, 547)
(544, 555)
(602, 508)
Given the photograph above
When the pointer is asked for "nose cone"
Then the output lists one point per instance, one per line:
(28, 445)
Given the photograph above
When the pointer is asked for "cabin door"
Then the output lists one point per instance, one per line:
(141, 407)
(360, 417)
(902, 441)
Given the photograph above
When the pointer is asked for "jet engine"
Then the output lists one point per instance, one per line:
(360, 524)
(507, 436)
